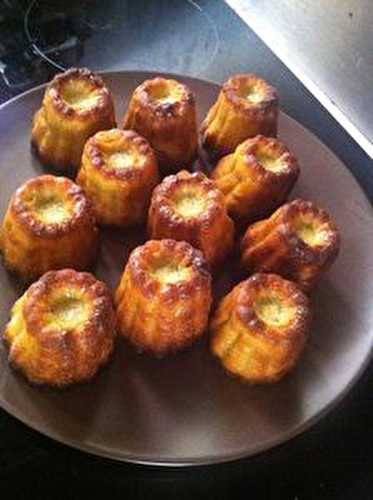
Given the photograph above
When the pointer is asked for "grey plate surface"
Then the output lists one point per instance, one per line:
(184, 410)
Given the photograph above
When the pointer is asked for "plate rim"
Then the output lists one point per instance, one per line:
(208, 460)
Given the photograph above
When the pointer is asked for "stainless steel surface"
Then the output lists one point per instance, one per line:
(328, 45)
(184, 410)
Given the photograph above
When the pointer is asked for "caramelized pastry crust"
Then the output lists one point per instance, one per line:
(299, 241)
(164, 296)
(188, 207)
(257, 178)
(259, 329)
(76, 105)
(49, 224)
(118, 173)
(164, 112)
(62, 329)
(246, 106)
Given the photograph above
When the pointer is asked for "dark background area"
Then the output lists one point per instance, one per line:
(332, 460)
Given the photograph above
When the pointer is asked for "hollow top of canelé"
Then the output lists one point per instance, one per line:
(269, 155)
(48, 205)
(161, 265)
(119, 153)
(268, 303)
(67, 300)
(311, 225)
(250, 92)
(79, 92)
(165, 96)
(188, 197)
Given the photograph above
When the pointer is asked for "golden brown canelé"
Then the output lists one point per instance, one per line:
(257, 178)
(76, 105)
(299, 241)
(164, 112)
(260, 328)
(62, 329)
(188, 207)
(118, 173)
(49, 224)
(246, 106)
(164, 296)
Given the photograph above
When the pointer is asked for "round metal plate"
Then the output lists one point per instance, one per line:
(184, 410)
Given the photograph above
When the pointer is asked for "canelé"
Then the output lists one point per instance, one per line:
(76, 105)
(118, 173)
(259, 329)
(299, 241)
(62, 329)
(247, 106)
(164, 112)
(189, 207)
(49, 224)
(164, 296)
(257, 178)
